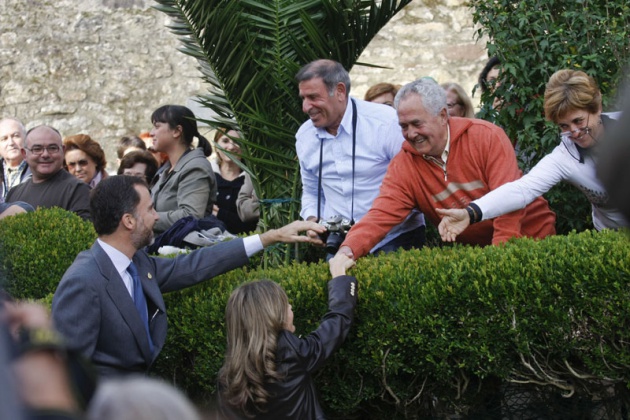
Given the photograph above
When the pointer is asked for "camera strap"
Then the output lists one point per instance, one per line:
(321, 156)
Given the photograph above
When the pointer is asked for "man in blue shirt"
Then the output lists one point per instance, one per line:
(350, 143)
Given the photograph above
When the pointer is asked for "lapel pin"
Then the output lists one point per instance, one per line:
(149, 276)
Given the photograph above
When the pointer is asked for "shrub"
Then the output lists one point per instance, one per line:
(440, 325)
(36, 248)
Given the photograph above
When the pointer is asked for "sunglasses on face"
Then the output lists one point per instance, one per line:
(81, 163)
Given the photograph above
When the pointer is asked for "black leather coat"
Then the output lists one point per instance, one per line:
(295, 397)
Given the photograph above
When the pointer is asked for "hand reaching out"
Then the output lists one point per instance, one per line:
(339, 264)
(454, 222)
(291, 233)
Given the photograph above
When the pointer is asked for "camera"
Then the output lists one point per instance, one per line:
(336, 229)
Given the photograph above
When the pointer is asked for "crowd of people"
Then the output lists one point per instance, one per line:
(40, 169)
(372, 172)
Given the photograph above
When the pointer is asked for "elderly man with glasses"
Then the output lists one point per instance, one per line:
(50, 185)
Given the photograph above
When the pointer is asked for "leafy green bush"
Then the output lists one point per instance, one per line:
(534, 39)
(440, 325)
(438, 330)
(36, 249)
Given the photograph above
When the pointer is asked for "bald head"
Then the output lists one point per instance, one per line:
(43, 151)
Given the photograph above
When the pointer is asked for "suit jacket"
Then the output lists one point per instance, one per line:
(93, 309)
(190, 189)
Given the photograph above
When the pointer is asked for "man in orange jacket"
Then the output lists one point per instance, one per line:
(446, 162)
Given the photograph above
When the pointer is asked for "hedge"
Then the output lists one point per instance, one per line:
(439, 330)
(441, 325)
(36, 249)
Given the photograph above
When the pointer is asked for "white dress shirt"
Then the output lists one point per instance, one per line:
(378, 139)
(121, 263)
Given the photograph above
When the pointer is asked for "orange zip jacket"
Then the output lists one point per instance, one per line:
(480, 159)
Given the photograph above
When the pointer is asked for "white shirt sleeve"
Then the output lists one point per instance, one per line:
(253, 245)
(518, 194)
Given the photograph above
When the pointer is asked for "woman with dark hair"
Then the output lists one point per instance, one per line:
(267, 372)
(574, 103)
(85, 159)
(237, 204)
(488, 79)
(139, 163)
(185, 184)
(129, 144)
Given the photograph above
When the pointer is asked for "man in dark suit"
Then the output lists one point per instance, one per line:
(109, 302)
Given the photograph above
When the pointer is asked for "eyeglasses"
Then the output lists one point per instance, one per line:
(579, 131)
(452, 105)
(138, 174)
(52, 149)
(81, 163)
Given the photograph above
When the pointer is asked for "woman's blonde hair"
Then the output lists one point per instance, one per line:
(380, 89)
(462, 98)
(255, 314)
(569, 90)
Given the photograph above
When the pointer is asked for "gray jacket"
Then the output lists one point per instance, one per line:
(190, 189)
(94, 311)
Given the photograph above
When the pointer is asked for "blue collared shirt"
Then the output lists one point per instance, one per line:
(379, 138)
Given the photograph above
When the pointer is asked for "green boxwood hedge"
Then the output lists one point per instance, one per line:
(438, 330)
(438, 325)
(36, 249)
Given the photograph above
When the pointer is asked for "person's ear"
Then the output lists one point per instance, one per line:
(340, 91)
(128, 221)
(177, 131)
(444, 116)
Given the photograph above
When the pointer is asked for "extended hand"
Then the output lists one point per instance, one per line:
(339, 264)
(345, 250)
(315, 238)
(454, 222)
(291, 233)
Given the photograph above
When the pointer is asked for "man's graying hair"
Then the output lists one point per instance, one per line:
(330, 71)
(432, 95)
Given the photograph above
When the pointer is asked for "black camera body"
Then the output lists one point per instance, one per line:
(336, 229)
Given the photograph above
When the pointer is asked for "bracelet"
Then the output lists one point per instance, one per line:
(474, 212)
(471, 214)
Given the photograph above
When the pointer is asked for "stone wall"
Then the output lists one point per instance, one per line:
(102, 66)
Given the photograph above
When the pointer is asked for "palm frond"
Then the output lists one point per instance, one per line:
(249, 52)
